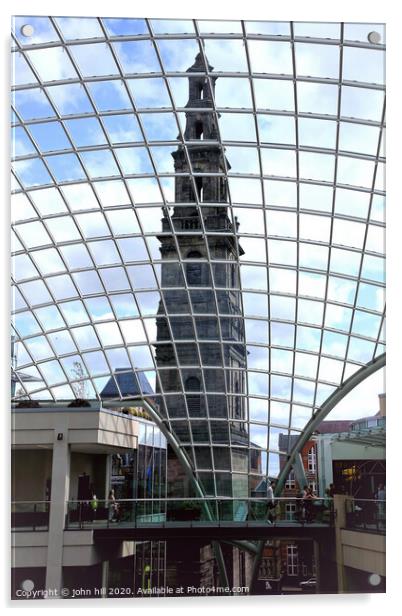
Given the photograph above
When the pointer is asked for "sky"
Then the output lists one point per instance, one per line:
(87, 195)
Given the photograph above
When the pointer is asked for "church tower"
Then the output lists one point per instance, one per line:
(204, 334)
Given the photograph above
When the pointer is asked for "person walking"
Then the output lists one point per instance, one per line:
(303, 501)
(94, 507)
(311, 500)
(113, 507)
(271, 502)
(308, 497)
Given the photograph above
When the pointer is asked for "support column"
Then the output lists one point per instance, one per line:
(58, 506)
(299, 471)
(317, 560)
(105, 577)
(326, 570)
(340, 522)
(108, 473)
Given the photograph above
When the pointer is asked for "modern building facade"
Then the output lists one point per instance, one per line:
(63, 456)
(352, 454)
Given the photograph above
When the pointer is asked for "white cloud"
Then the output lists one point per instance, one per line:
(363, 400)
(52, 64)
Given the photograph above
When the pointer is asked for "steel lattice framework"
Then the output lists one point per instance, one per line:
(99, 106)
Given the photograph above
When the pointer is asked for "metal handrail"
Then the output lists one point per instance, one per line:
(206, 498)
(33, 502)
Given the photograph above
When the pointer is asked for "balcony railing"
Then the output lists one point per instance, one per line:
(30, 515)
(250, 511)
(365, 514)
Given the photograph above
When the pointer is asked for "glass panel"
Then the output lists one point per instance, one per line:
(231, 92)
(33, 234)
(360, 32)
(61, 287)
(65, 167)
(317, 29)
(112, 193)
(277, 129)
(317, 166)
(271, 57)
(159, 127)
(317, 133)
(172, 26)
(149, 92)
(226, 55)
(137, 57)
(50, 136)
(125, 27)
(364, 65)
(94, 60)
(48, 261)
(109, 95)
(52, 64)
(362, 103)
(21, 209)
(358, 138)
(80, 197)
(32, 104)
(317, 60)
(86, 131)
(279, 162)
(33, 173)
(43, 30)
(268, 27)
(176, 54)
(317, 98)
(237, 127)
(48, 201)
(74, 28)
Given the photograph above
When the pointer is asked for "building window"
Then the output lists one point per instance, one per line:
(311, 460)
(237, 401)
(193, 270)
(199, 128)
(290, 512)
(313, 486)
(292, 560)
(290, 481)
(193, 400)
(267, 569)
(199, 182)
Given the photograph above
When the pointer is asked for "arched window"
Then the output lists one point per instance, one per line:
(193, 270)
(199, 184)
(193, 400)
(199, 130)
(192, 383)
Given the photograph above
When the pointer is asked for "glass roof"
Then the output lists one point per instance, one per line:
(98, 107)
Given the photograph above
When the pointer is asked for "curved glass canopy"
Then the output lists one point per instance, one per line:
(198, 218)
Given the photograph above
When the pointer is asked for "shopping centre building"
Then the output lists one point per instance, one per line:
(198, 281)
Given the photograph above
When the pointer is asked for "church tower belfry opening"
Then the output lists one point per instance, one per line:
(201, 136)
(201, 357)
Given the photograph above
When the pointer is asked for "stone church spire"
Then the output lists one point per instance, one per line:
(201, 132)
(201, 358)
(200, 124)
